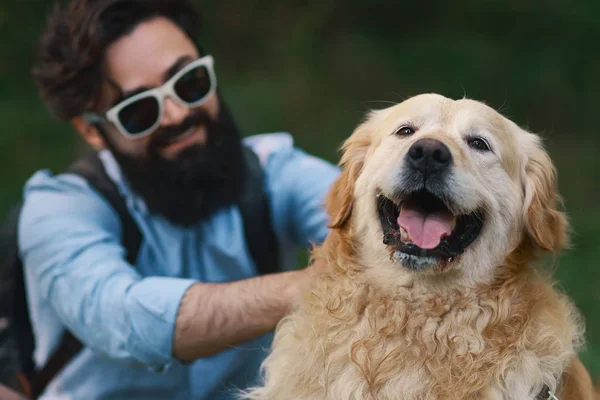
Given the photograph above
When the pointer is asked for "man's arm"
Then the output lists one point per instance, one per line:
(71, 250)
(214, 317)
(301, 181)
(73, 259)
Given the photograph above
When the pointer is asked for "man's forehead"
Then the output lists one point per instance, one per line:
(143, 57)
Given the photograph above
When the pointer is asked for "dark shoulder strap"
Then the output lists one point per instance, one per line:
(256, 213)
(92, 169)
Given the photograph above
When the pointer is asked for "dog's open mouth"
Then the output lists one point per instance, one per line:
(423, 226)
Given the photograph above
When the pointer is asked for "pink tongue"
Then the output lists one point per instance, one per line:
(425, 230)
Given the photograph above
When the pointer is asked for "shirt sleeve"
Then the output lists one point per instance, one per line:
(308, 180)
(299, 183)
(70, 244)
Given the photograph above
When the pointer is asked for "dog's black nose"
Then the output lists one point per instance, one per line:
(429, 156)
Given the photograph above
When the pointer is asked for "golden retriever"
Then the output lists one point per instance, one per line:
(430, 290)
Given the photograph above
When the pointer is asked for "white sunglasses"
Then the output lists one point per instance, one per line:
(141, 114)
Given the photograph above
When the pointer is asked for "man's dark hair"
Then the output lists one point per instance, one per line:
(69, 71)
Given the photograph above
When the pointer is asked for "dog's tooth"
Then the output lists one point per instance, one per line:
(404, 235)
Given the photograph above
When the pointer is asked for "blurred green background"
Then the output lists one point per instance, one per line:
(313, 68)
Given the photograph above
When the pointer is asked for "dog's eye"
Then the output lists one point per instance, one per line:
(478, 144)
(405, 130)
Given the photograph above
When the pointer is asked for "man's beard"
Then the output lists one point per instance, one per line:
(200, 181)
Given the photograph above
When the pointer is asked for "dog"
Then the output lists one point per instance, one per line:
(431, 288)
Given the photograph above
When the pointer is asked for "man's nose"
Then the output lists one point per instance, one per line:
(429, 156)
(174, 113)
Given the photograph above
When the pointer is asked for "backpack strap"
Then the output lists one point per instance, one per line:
(256, 214)
(91, 168)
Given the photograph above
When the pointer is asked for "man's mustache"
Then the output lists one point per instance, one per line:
(168, 133)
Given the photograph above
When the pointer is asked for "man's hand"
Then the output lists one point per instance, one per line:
(215, 316)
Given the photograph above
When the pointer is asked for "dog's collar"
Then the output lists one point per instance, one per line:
(546, 394)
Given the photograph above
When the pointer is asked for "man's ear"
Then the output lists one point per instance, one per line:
(340, 199)
(89, 132)
(546, 224)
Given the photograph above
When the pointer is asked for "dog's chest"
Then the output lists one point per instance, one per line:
(409, 350)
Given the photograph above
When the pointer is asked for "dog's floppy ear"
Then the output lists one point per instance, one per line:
(340, 198)
(546, 224)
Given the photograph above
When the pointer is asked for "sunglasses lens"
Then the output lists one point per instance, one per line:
(139, 115)
(194, 85)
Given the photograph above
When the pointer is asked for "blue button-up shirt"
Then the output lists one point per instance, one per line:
(77, 277)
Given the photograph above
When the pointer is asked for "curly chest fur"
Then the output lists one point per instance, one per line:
(358, 344)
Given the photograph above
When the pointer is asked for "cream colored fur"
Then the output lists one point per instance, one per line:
(486, 326)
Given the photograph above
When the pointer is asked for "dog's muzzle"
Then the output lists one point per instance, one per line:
(421, 221)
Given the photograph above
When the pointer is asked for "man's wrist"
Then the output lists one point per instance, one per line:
(300, 283)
